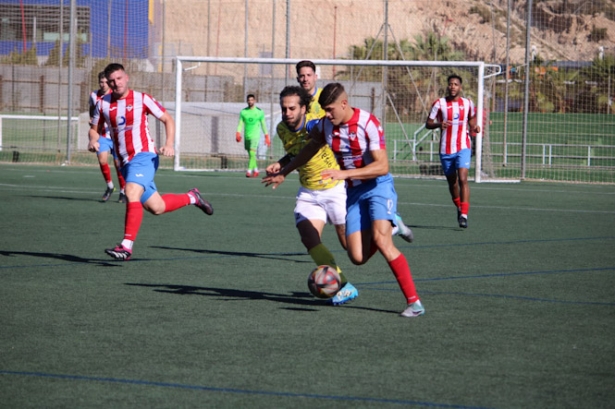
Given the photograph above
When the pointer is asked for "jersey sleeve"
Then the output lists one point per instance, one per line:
(95, 113)
(435, 110)
(153, 107)
(375, 134)
(240, 124)
(92, 103)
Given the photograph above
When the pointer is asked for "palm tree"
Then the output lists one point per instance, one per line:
(409, 89)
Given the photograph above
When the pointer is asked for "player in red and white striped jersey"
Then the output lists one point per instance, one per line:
(358, 143)
(125, 112)
(106, 145)
(456, 117)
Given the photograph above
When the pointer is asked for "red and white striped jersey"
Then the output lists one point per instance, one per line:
(459, 112)
(127, 122)
(353, 141)
(95, 96)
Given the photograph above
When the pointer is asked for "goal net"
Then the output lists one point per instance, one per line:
(210, 92)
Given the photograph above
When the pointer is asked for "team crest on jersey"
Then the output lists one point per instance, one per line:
(128, 108)
(352, 135)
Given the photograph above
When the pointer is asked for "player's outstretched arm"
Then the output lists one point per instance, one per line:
(169, 125)
(93, 136)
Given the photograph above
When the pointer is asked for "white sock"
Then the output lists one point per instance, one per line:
(127, 244)
(110, 185)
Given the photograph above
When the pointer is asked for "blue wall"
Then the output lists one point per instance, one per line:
(130, 43)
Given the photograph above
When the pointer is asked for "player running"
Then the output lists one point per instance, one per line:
(106, 146)
(252, 119)
(357, 141)
(456, 117)
(318, 200)
(307, 77)
(125, 113)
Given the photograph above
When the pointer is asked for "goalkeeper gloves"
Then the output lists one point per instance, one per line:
(238, 136)
(267, 140)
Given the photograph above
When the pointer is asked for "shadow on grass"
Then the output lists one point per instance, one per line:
(229, 294)
(56, 256)
(73, 198)
(268, 256)
(303, 299)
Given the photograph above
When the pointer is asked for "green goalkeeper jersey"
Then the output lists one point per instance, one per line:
(253, 119)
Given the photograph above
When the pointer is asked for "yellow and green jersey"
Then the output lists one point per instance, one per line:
(254, 120)
(310, 173)
(316, 112)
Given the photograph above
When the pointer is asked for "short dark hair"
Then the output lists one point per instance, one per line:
(304, 97)
(454, 76)
(113, 67)
(330, 93)
(101, 75)
(250, 96)
(305, 63)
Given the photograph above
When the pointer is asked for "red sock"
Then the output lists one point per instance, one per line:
(132, 223)
(465, 207)
(401, 269)
(174, 201)
(106, 171)
(457, 201)
(120, 178)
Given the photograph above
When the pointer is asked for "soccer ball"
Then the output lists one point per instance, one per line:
(324, 282)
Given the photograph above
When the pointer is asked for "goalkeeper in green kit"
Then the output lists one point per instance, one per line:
(252, 119)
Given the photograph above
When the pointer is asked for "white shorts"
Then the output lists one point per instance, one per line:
(328, 205)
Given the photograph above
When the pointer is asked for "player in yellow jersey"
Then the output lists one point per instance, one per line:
(318, 200)
(307, 77)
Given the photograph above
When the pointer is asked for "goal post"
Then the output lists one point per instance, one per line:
(36, 138)
(402, 105)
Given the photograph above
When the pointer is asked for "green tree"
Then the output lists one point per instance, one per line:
(56, 51)
(27, 58)
(54, 55)
(410, 89)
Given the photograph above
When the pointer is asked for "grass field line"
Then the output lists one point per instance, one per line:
(515, 208)
(210, 254)
(234, 390)
(63, 189)
(582, 192)
(520, 297)
(431, 183)
(487, 295)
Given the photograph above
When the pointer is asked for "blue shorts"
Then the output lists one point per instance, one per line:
(371, 200)
(454, 161)
(106, 145)
(141, 170)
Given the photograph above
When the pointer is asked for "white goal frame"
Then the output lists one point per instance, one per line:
(479, 65)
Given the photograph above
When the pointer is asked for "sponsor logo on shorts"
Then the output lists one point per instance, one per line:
(139, 175)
